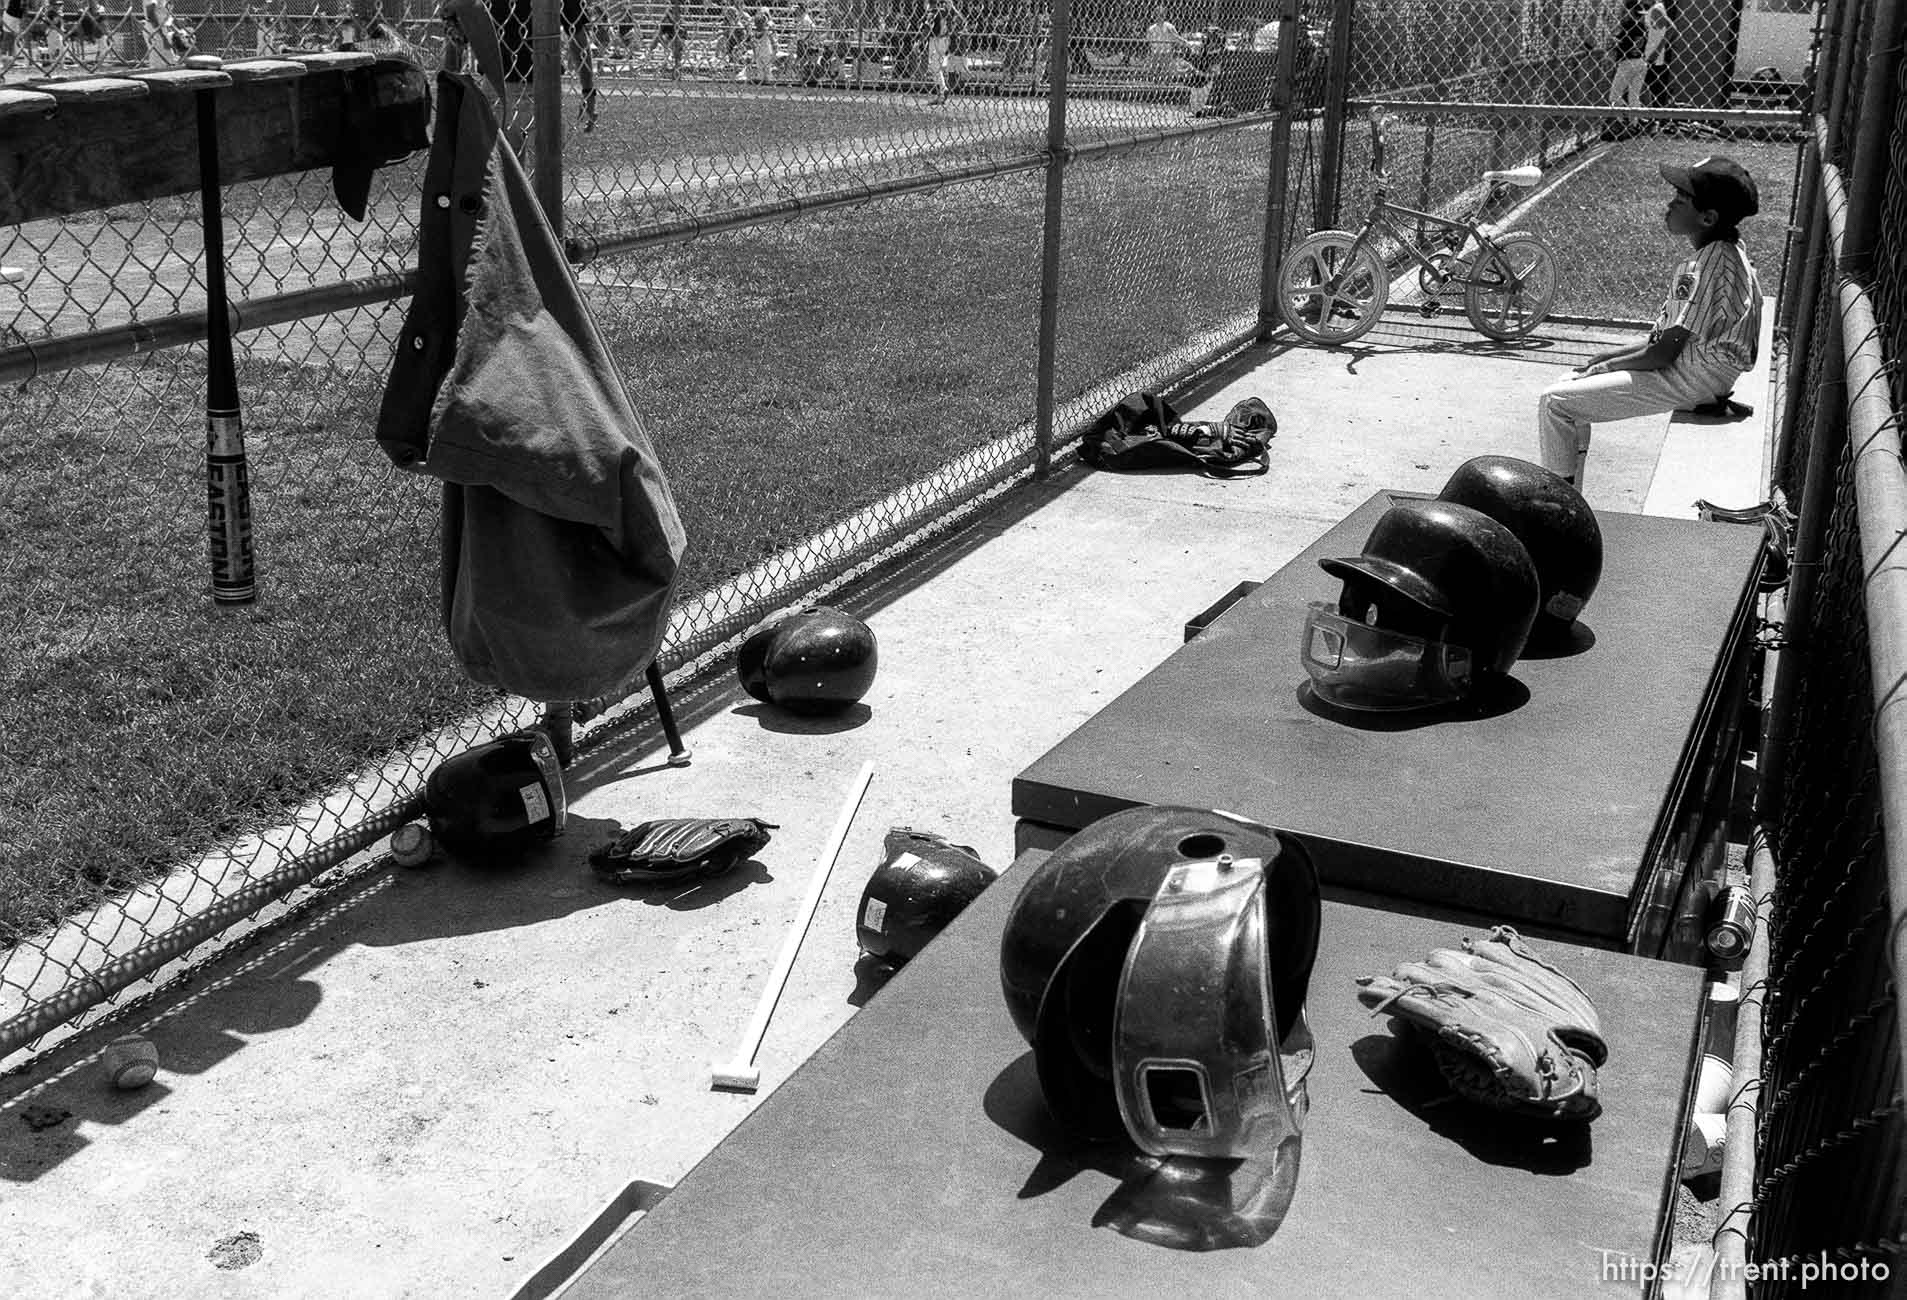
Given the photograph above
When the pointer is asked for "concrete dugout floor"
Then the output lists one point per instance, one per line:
(432, 1081)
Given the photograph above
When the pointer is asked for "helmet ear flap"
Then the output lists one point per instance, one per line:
(1293, 918)
(1072, 1038)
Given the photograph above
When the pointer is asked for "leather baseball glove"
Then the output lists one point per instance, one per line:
(678, 848)
(1506, 1028)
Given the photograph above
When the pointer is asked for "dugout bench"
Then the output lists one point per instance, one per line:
(912, 1154)
(1591, 804)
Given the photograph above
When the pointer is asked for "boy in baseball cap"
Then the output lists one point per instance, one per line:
(1704, 336)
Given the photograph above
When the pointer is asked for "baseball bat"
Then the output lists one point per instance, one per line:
(227, 473)
(741, 1074)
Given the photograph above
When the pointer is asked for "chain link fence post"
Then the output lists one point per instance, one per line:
(1337, 79)
(1278, 167)
(1058, 56)
(546, 77)
(1869, 157)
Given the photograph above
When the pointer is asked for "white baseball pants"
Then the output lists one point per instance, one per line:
(1565, 410)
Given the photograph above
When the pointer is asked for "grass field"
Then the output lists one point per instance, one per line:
(790, 374)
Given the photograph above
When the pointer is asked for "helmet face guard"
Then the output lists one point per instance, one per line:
(1434, 572)
(1360, 665)
(1185, 1058)
(1197, 1070)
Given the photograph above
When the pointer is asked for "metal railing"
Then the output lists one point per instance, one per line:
(1818, 1202)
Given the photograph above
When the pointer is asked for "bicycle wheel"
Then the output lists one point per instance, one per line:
(1328, 295)
(1511, 291)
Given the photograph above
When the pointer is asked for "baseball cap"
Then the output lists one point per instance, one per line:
(1716, 183)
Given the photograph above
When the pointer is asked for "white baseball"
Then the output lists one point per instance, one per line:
(130, 1061)
(412, 845)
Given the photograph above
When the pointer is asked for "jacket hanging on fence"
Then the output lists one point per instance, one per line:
(561, 537)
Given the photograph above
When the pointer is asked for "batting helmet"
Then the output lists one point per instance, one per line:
(816, 660)
(494, 801)
(922, 884)
(1440, 596)
(1158, 964)
(1552, 520)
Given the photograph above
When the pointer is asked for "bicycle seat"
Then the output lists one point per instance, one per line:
(1523, 176)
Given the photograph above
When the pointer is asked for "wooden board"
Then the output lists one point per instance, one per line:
(78, 146)
(912, 1155)
(1548, 814)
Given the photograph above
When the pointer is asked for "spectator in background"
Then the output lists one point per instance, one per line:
(673, 31)
(627, 30)
(12, 25)
(166, 45)
(807, 46)
(764, 43)
(735, 37)
(1625, 87)
(1264, 36)
(1164, 45)
(1016, 50)
(48, 28)
(580, 51)
(371, 32)
(942, 20)
(1655, 52)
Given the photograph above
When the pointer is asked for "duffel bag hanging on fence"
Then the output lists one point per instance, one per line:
(1143, 431)
(561, 539)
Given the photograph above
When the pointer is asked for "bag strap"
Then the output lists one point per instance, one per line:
(1256, 461)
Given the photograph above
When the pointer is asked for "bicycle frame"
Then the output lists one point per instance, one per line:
(1433, 263)
(1384, 218)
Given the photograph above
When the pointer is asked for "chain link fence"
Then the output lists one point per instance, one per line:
(1593, 94)
(853, 299)
(1826, 1207)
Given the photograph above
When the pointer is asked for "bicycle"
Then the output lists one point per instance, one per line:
(1333, 286)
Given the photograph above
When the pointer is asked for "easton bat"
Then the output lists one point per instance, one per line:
(227, 475)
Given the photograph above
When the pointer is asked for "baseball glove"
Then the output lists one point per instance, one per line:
(678, 848)
(1506, 1028)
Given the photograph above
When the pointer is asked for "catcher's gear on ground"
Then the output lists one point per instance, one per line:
(494, 801)
(818, 660)
(677, 848)
(1506, 1028)
(922, 883)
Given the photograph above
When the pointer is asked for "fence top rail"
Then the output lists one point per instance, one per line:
(1713, 116)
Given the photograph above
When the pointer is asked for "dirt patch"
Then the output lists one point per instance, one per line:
(236, 1251)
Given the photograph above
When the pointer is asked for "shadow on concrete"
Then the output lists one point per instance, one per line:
(196, 1025)
(265, 983)
(799, 724)
(1404, 1071)
(693, 895)
(623, 740)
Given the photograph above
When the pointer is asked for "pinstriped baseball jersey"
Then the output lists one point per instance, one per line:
(1716, 297)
